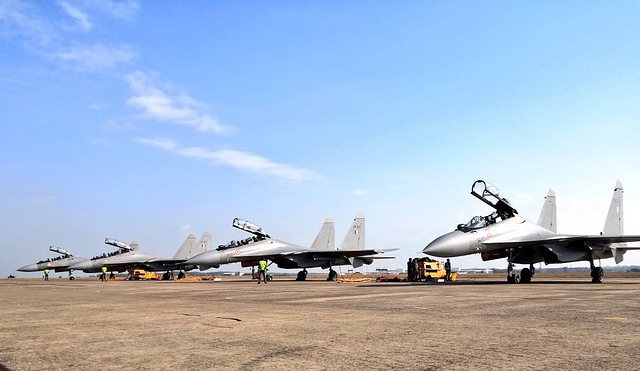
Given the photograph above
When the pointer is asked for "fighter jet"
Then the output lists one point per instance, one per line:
(58, 264)
(127, 257)
(290, 256)
(504, 233)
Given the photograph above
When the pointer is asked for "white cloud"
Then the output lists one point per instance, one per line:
(97, 56)
(21, 19)
(242, 161)
(168, 144)
(159, 105)
(77, 14)
(125, 10)
(185, 228)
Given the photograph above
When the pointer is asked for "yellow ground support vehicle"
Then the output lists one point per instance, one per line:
(141, 274)
(432, 270)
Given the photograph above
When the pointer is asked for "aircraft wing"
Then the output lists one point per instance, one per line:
(325, 254)
(563, 240)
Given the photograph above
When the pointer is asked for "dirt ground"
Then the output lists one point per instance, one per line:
(479, 323)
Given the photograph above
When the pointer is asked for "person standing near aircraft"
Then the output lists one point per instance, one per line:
(46, 275)
(411, 275)
(447, 268)
(103, 277)
(262, 270)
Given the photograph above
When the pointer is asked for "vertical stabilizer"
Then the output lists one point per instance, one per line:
(547, 217)
(326, 238)
(613, 225)
(354, 240)
(186, 249)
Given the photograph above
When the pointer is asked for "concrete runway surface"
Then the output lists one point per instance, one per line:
(478, 323)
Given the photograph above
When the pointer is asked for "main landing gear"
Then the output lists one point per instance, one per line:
(333, 275)
(302, 275)
(597, 274)
(526, 274)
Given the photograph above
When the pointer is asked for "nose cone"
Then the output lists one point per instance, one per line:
(449, 245)
(208, 258)
(29, 268)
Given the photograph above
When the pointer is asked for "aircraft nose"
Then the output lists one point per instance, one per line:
(29, 268)
(449, 245)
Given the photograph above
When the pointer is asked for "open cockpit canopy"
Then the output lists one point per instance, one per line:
(489, 194)
(247, 226)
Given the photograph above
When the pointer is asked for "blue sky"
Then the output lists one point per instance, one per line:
(148, 121)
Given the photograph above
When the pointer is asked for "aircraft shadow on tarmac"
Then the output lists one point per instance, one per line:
(489, 283)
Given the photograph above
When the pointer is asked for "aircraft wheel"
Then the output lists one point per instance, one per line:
(269, 277)
(72, 278)
(181, 275)
(525, 275)
(516, 278)
(302, 276)
(597, 275)
(333, 275)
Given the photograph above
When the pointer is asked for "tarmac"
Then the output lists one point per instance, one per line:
(557, 322)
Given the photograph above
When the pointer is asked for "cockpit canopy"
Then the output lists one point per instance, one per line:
(476, 222)
(489, 194)
(239, 243)
(59, 250)
(119, 244)
(247, 226)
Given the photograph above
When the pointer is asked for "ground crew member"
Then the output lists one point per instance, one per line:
(447, 268)
(410, 274)
(46, 274)
(103, 277)
(262, 270)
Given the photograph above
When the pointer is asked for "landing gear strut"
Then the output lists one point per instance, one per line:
(512, 275)
(597, 274)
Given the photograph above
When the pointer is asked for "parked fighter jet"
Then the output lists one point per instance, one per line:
(504, 233)
(58, 264)
(289, 256)
(127, 257)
